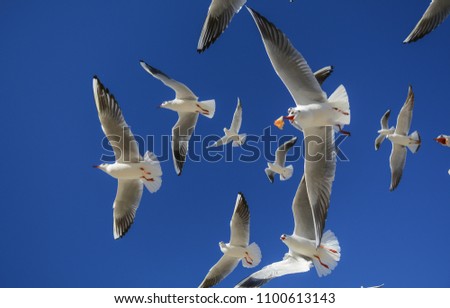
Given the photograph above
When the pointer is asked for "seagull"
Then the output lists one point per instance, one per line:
(232, 134)
(400, 140)
(443, 139)
(280, 159)
(220, 13)
(303, 249)
(436, 13)
(291, 67)
(188, 107)
(384, 131)
(130, 169)
(237, 249)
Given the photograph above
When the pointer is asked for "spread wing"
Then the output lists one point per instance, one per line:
(220, 13)
(237, 118)
(219, 271)
(181, 134)
(289, 64)
(397, 163)
(181, 90)
(240, 223)
(281, 153)
(405, 115)
(322, 74)
(128, 197)
(114, 126)
(436, 13)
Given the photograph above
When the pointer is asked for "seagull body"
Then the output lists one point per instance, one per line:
(385, 130)
(304, 252)
(237, 249)
(132, 171)
(401, 140)
(220, 13)
(232, 134)
(443, 139)
(188, 107)
(436, 13)
(278, 166)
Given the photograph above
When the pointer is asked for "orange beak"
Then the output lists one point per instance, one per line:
(279, 122)
(290, 118)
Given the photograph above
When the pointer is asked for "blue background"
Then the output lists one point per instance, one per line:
(56, 218)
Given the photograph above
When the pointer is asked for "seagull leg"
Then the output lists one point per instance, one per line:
(247, 260)
(343, 132)
(204, 111)
(341, 111)
(320, 261)
(145, 172)
(148, 180)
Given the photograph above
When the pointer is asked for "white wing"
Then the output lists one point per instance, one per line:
(219, 271)
(290, 265)
(281, 153)
(397, 162)
(320, 167)
(237, 118)
(405, 114)
(384, 122)
(181, 134)
(221, 141)
(289, 64)
(181, 90)
(114, 126)
(303, 215)
(128, 197)
(220, 13)
(436, 13)
(240, 223)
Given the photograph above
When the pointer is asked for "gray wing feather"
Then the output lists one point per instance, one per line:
(237, 118)
(378, 141)
(280, 155)
(289, 64)
(384, 122)
(397, 162)
(128, 197)
(240, 223)
(436, 13)
(181, 90)
(303, 215)
(219, 16)
(219, 271)
(320, 167)
(322, 74)
(405, 114)
(114, 126)
(181, 134)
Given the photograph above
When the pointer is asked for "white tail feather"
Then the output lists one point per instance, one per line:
(339, 100)
(328, 254)
(154, 168)
(254, 256)
(415, 146)
(210, 106)
(287, 173)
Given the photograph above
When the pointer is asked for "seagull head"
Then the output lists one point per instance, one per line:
(167, 105)
(222, 245)
(101, 166)
(292, 113)
(283, 237)
(441, 139)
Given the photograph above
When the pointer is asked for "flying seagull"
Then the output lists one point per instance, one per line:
(232, 134)
(279, 165)
(401, 140)
(188, 107)
(320, 162)
(435, 14)
(385, 130)
(220, 13)
(130, 169)
(237, 249)
(303, 251)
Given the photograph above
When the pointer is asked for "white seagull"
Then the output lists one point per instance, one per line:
(436, 13)
(232, 134)
(400, 140)
(303, 249)
(385, 130)
(237, 249)
(220, 13)
(320, 160)
(279, 165)
(130, 169)
(188, 107)
(443, 139)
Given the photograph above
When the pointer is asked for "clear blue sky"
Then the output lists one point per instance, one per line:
(56, 220)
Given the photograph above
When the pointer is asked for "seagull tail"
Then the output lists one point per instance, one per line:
(240, 141)
(328, 254)
(253, 256)
(417, 141)
(287, 173)
(208, 107)
(339, 102)
(153, 180)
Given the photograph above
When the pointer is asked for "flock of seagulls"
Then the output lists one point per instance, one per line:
(318, 116)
